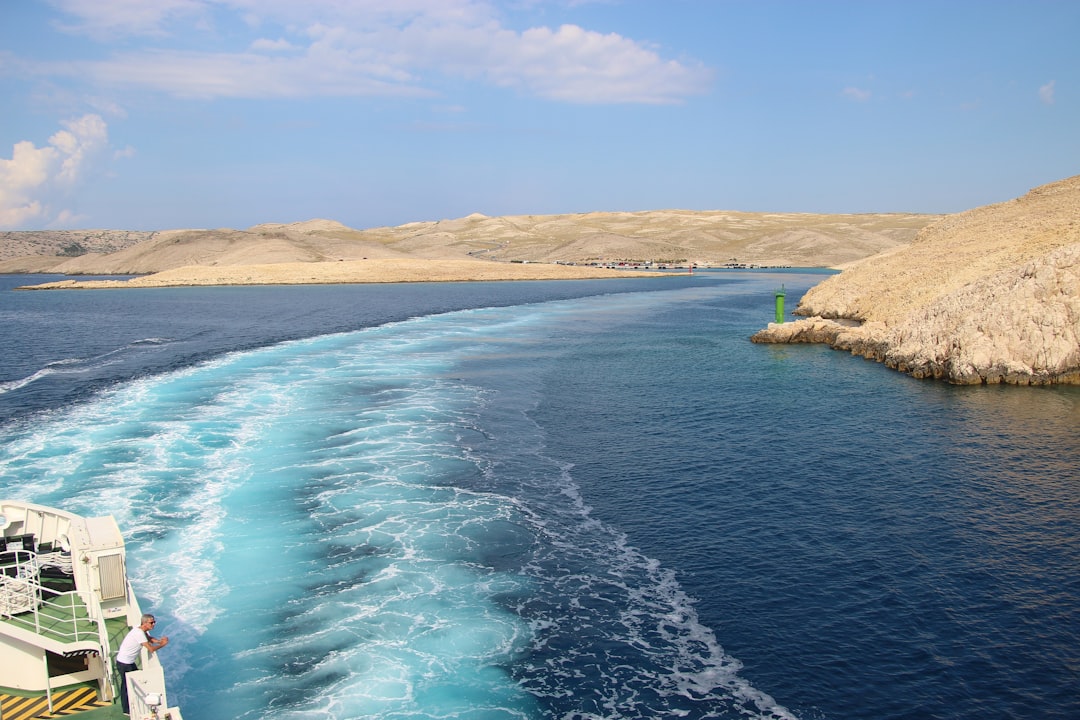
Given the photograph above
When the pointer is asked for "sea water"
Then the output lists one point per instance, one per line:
(585, 499)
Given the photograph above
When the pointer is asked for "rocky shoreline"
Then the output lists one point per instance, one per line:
(983, 297)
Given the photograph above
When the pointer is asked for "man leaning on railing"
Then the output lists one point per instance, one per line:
(138, 637)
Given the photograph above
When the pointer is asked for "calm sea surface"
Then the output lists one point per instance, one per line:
(560, 500)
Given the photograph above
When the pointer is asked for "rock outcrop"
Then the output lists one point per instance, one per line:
(991, 295)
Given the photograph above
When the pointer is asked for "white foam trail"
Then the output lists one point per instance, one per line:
(78, 365)
(309, 521)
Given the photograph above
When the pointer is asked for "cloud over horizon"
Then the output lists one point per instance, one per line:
(36, 180)
(383, 112)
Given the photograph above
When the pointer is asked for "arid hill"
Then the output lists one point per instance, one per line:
(707, 238)
(378, 270)
(990, 295)
(67, 243)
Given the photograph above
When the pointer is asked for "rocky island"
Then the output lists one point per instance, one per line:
(991, 295)
(378, 270)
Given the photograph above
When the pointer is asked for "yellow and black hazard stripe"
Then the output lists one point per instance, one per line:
(65, 702)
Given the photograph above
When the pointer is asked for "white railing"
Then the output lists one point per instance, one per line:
(26, 603)
(19, 589)
(146, 692)
(105, 683)
(18, 595)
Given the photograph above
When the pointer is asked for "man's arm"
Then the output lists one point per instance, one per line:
(153, 644)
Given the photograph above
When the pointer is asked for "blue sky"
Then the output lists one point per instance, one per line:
(156, 114)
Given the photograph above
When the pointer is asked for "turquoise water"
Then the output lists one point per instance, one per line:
(551, 500)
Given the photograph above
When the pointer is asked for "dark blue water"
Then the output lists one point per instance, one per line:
(551, 500)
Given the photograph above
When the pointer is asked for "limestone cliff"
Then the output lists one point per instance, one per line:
(990, 295)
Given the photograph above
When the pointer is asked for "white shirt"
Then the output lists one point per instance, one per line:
(129, 649)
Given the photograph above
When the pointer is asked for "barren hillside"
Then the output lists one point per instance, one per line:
(987, 295)
(706, 238)
(67, 243)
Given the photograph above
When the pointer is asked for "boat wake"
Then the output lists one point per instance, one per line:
(72, 366)
(376, 512)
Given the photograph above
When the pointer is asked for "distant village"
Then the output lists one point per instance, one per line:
(682, 264)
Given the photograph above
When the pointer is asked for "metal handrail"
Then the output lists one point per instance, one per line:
(106, 683)
(20, 584)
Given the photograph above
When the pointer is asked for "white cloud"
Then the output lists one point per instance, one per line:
(379, 47)
(279, 45)
(1046, 92)
(19, 179)
(359, 13)
(320, 71)
(77, 145)
(577, 65)
(857, 94)
(36, 178)
(66, 219)
(105, 19)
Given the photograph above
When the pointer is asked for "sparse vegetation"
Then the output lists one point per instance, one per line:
(661, 238)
